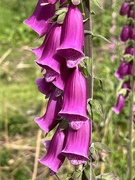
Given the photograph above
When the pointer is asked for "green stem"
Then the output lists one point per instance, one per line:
(130, 145)
(88, 52)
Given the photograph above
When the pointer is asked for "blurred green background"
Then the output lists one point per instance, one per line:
(20, 101)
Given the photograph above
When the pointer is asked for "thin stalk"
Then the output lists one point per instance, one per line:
(130, 127)
(88, 46)
(88, 52)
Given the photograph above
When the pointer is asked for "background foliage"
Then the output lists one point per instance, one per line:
(20, 101)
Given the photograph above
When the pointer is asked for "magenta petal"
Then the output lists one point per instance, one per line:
(120, 104)
(43, 86)
(132, 33)
(49, 120)
(125, 68)
(62, 78)
(39, 21)
(77, 144)
(72, 37)
(75, 100)
(129, 50)
(124, 8)
(126, 85)
(53, 158)
(49, 58)
(131, 13)
(125, 33)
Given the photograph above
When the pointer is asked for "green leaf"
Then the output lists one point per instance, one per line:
(107, 176)
(87, 173)
(128, 57)
(122, 91)
(96, 106)
(85, 66)
(102, 37)
(98, 4)
(60, 11)
(61, 18)
(101, 146)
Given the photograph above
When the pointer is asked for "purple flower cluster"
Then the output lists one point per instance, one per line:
(126, 67)
(63, 83)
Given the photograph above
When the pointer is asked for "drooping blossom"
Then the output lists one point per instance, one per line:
(53, 158)
(39, 21)
(124, 36)
(132, 33)
(48, 58)
(62, 78)
(131, 13)
(72, 37)
(49, 120)
(126, 85)
(119, 105)
(75, 100)
(44, 87)
(125, 68)
(129, 50)
(77, 144)
(124, 8)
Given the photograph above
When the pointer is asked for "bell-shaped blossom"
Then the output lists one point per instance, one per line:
(124, 36)
(75, 100)
(77, 144)
(132, 33)
(124, 8)
(131, 13)
(39, 21)
(43, 86)
(49, 120)
(53, 158)
(72, 37)
(120, 104)
(62, 78)
(125, 68)
(49, 59)
(129, 50)
(126, 85)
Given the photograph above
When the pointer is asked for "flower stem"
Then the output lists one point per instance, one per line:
(88, 52)
(130, 145)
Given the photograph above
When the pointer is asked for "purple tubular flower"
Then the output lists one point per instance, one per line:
(44, 87)
(62, 78)
(49, 59)
(132, 33)
(72, 37)
(125, 68)
(77, 144)
(49, 120)
(53, 158)
(39, 21)
(75, 100)
(125, 33)
(126, 85)
(129, 50)
(124, 8)
(131, 13)
(120, 104)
